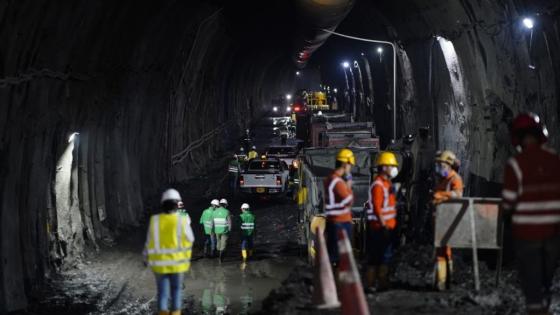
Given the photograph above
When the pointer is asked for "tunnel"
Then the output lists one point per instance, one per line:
(105, 104)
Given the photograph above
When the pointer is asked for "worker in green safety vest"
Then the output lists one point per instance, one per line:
(207, 220)
(222, 227)
(233, 172)
(182, 211)
(247, 231)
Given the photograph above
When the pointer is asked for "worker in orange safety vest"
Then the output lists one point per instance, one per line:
(382, 221)
(531, 198)
(449, 185)
(338, 201)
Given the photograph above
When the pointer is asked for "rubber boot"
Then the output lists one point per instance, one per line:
(176, 312)
(163, 313)
(244, 254)
(220, 255)
(441, 274)
(371, 277)
(383, 275)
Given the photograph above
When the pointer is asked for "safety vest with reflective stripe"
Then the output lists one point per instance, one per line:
(234, 166)
(532, 192)
(338, 199)
(221, 220)
(450, 187)
(168, 247)
(247, 223)
(207, 219)
(382, 203)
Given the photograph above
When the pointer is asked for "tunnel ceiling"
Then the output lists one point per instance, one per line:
(156, 90)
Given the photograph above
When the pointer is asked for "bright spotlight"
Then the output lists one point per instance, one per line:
(288, 96)
(275, 108)
(288, 109)
(528, 23)
(346, 64)
(335, 90)
(298, 73)
(380, 50)
(73, 136)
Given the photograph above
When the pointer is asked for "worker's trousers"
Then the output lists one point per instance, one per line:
(221, 240)
(380, 243)
(209, 243)
(169, 286)
(537, 261)
(247, 242)
(331, 231)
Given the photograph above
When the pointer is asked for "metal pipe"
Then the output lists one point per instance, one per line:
(394, 46)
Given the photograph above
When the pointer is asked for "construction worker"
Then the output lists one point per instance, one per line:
(207, 220)
(241, 156)
(233, 171)
(182, 210)
(338, 201)
(531, 198)
(168, 251)
(382, 221)
(449, 184)
(253, 154)
(247, 229)
(222, 227)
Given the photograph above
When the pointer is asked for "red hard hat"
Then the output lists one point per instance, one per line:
(526, 123)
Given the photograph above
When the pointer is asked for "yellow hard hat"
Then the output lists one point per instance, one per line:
(446, 157)
(346, 156)
(386, 158)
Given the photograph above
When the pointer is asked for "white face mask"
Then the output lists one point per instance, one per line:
(393, 172)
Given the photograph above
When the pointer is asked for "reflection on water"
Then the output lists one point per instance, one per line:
(236, 288)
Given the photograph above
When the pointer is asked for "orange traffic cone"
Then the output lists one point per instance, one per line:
(324, 287)
(351, 292)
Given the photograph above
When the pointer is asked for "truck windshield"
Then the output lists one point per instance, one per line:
(264, 165)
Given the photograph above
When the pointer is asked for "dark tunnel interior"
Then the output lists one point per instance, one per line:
(106, 103)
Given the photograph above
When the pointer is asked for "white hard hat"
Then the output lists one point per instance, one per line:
(215, 202)
(245, 206)
(170, 194)
(254, 147)
(223, 201)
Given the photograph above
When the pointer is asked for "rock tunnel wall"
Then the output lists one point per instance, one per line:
(155, 90)
(468, 83)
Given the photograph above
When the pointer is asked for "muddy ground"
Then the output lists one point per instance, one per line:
(411, 276)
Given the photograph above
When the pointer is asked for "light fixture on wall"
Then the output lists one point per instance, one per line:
(346, 64)
(288, 96)
(73, 136)
(528, 23)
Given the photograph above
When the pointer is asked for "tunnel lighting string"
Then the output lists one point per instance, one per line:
(394, 46)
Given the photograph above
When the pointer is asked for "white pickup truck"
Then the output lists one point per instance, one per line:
(264, 176)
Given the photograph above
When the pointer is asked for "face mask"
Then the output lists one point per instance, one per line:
(441, 171)
(393, 172)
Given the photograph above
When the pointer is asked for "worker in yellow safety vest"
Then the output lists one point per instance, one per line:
(168, 251)
(253, 153)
